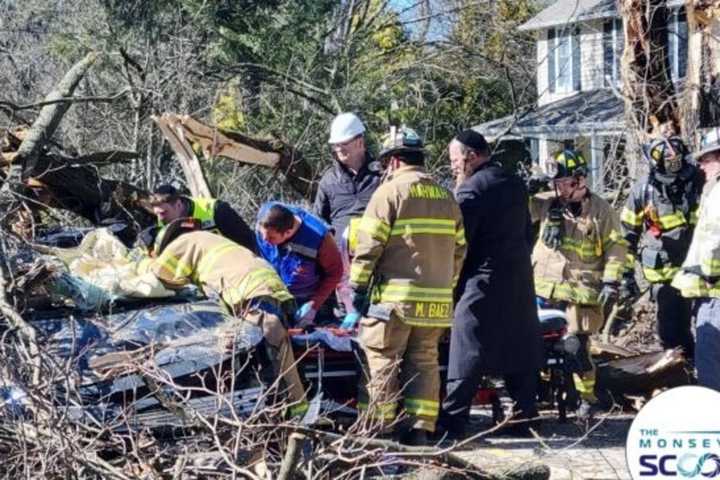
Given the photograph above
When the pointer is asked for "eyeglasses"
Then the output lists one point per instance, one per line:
(346, 143)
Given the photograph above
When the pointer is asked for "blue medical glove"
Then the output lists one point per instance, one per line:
(305, 315)
(351, 319)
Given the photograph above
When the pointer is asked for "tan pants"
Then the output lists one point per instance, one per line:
(402, 363)
(585, 320)
(281, 353)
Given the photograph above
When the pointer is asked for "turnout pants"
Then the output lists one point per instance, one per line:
(707, 350)
(584, 321)
(403, 366)
(267, 313)
(673, 315)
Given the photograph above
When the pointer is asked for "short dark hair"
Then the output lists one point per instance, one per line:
(411, 158)
(277, 217)
(165, 194)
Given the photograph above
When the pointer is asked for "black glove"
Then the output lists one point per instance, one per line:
(552, 233)
(609, 294)
(629, 289)
(537, 184)
(361, 301)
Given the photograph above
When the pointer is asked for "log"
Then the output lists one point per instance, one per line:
(47, 121)
(175, 135)
(296, 441)
(235, 146)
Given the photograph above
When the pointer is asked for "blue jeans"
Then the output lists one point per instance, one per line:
(707, 348)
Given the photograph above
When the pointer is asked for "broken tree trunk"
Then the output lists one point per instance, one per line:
(235, 146)
(650, 105)
(47, 121)
(173, 131)
(701, 101)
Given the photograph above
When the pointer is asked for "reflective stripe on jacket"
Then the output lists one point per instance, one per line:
(296, 260)
(201, 209)
(704, 253)
(411, 243)
(220, 266)
(592, 251)
(658, 221)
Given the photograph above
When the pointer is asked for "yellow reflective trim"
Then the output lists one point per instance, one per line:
(299, 409)
(565, 291)
(375, 228)
(460, 237)
(401, 293)
(261, 277)
(711, 267)
(418, 407)
(383, 411)
(208, 262)
(174, 265)
(630, 217)
(672, 220)
(663, 274)
(359, 273)
(422, 225)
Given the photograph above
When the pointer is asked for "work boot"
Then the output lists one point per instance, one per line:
(414, 437)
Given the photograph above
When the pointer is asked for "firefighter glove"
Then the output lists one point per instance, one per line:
(537, 184)
(360, 301)
(305, 315)
(609, 294)
(629, 289)
(552, 233)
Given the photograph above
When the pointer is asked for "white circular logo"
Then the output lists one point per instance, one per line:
(676, 435)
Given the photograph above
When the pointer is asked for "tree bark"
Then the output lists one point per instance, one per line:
(650, 105)
(47, 122)
(701, 100)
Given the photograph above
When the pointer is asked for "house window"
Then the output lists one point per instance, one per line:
(564, 60)
(677, 42)
(613, 42)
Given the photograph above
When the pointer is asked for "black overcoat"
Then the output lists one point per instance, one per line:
(495, 328)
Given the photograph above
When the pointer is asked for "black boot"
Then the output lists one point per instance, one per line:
(414, 437)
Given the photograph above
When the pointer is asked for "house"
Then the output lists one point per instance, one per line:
(579, 47)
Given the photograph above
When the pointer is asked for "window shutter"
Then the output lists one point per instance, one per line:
(576, 59)
(551, 59)
(619, 46)
(608, 54)
(682, 43)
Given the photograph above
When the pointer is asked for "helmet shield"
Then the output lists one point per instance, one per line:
(666, 155)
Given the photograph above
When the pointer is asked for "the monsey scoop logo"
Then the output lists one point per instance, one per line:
(676, 435)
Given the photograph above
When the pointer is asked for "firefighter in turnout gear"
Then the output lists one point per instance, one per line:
(699, 277)
(410, 248)
(578, 260)
(246, 283)
(214, 215)
(658, 221)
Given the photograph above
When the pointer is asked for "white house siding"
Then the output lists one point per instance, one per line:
(591, 71)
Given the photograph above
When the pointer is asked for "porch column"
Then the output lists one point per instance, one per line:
(597, 159)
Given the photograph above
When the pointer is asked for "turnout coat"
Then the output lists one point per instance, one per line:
(495, 328)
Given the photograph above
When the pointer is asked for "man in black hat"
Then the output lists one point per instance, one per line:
(213, 215)
(495, 329)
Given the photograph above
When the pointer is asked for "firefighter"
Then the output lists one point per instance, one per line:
(578, 260)
(214, 215)
(657, 221)
(409, 251)
(303, 251)
(246, 283)
(699, 277)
